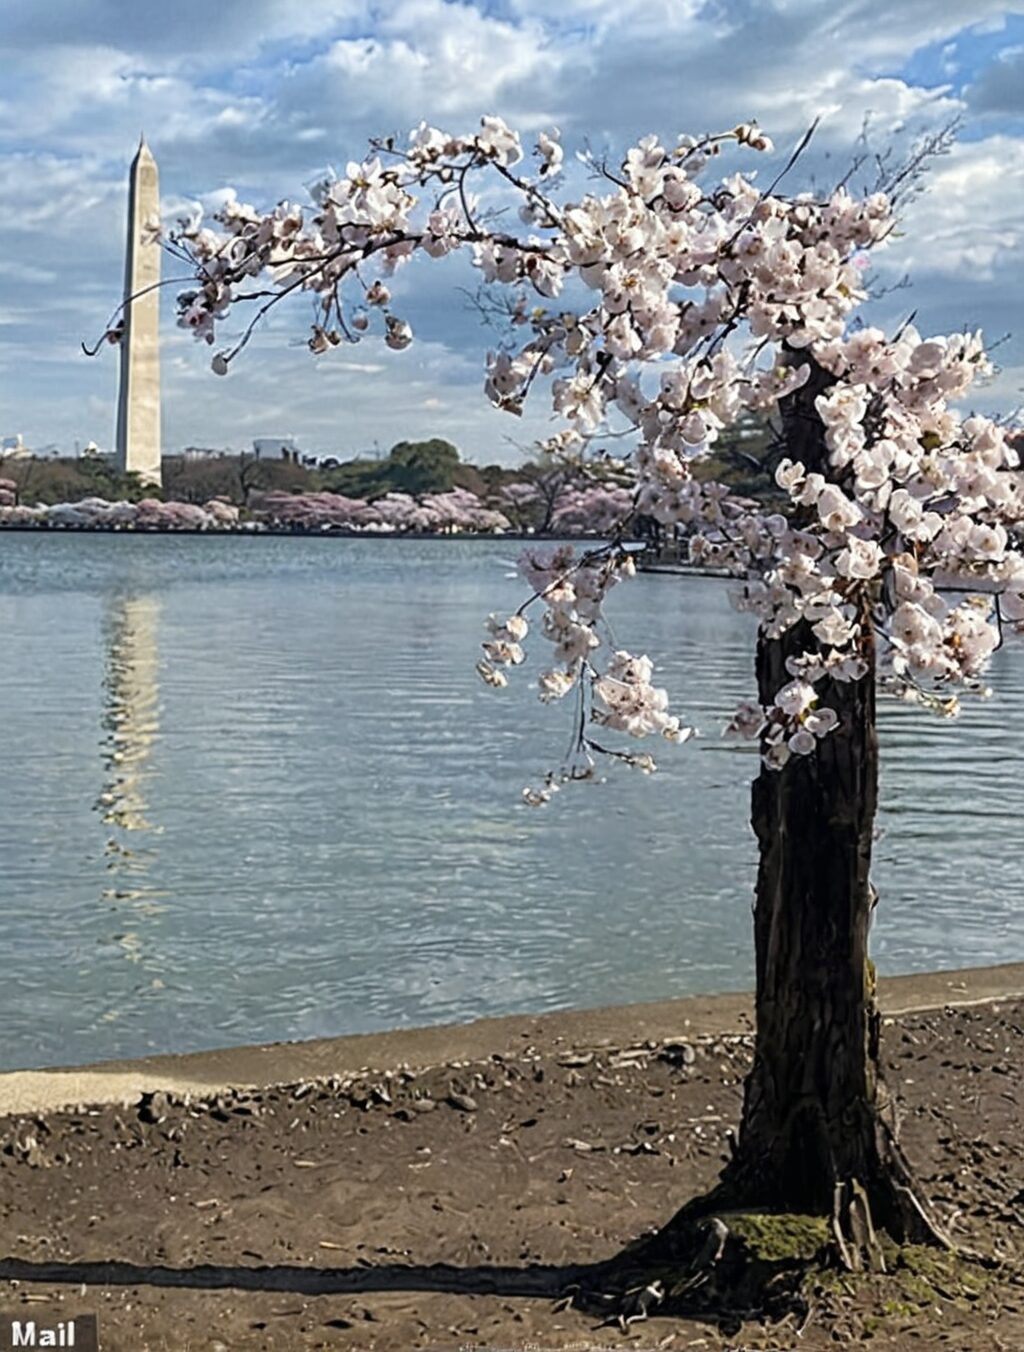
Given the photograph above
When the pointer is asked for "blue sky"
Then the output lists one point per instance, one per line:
(972, 64)
(258, 97)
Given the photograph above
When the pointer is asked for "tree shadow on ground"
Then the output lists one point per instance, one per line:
(541, 1281)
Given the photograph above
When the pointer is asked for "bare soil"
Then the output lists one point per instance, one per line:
(453, 1206)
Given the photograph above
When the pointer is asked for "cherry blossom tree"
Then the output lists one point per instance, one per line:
(521, 503)
(598, 509)
(401, 512)
(670, 305)
(461, 510)
(549, 475)
(311, 511)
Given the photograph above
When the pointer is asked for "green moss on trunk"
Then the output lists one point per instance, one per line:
(778, 1238)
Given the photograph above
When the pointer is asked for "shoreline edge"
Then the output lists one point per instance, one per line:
(260, 1066)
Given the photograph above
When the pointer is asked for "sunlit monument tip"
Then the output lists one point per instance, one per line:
(138, 404)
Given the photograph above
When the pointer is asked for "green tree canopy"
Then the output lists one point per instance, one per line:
(424, 466)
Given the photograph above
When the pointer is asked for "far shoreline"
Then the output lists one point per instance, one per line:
(26, 528)
(635, 546)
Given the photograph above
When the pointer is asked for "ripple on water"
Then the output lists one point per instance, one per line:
(253, 790)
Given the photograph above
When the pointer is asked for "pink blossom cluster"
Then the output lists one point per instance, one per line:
(917, 499)
(461, 510)
(519, 497)
(701, 302)
(11, 515)
(98, 514)
(309, 511)
(456, 511)
(620, 696)
(598, 509)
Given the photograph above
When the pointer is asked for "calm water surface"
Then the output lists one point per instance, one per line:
(252, 789)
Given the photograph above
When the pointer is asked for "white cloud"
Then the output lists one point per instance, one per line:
(996, 24)
(969, 219)
(341, 402)
(255, 98)
(890, 33)
(192, 31)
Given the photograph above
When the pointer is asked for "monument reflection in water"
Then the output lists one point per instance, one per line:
(131, 723)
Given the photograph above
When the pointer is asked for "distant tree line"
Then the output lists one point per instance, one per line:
(527, 494)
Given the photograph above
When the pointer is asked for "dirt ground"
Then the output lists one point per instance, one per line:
(450, 1207)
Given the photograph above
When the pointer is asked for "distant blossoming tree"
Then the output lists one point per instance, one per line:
(520, 501)
(676, 307)
(461, 510)
(457, 510)
(310, 511)
(598, 509)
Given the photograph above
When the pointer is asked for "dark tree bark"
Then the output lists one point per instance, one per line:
(818, 1131)
(816, 1117)
(809, 1102)
(818, 1134)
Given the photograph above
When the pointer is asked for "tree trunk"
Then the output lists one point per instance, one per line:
(816, 1118)
(818, 1132)
(812, 1114)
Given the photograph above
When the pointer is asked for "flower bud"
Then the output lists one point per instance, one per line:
(399, 334)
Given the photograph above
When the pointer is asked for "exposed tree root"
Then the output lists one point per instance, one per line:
(722, 1259)
(898, 1203)
(853, 1230)
(729, 1267)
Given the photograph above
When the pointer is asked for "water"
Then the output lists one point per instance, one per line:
(252, 789)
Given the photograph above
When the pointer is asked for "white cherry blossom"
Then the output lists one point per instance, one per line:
(662, 267)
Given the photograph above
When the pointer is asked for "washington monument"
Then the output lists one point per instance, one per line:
(138, 403)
